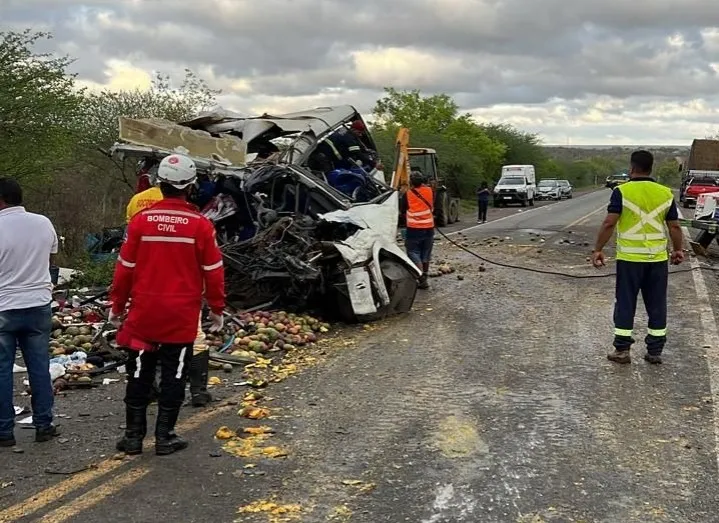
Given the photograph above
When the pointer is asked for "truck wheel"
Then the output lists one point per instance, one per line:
(402, 288)
(525, 202)
(531, 202)
(441, 213)
(685, 204)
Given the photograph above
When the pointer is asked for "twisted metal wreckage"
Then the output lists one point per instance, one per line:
(288, 236)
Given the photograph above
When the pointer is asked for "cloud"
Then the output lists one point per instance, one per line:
(646, 71)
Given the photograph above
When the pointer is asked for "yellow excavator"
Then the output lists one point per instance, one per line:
(446, 206)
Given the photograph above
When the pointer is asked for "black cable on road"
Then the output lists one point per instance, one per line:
(556, 273)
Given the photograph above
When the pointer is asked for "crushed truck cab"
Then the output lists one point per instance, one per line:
(289, 236)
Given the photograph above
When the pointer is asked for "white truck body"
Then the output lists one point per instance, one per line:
(518, 184)
(707, 208)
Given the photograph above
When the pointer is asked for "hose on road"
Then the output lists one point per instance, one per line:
(557, 273)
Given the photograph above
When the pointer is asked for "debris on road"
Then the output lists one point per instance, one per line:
(441, 269)
(275, 512)
(251, 445)
(359, 485)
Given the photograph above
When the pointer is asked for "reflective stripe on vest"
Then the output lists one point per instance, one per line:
(641, 234)
(419, 216)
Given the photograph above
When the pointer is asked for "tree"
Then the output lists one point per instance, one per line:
(668, 173)
(411, 109)
(521, 148)
(103, 110)
(467, 156)
(162, 100)
(40, 109)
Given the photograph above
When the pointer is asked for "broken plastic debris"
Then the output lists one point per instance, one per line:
(273, 510)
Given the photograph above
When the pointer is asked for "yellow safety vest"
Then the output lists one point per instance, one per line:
(641, 230)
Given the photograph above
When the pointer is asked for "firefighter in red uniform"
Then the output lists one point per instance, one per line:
(169, 256)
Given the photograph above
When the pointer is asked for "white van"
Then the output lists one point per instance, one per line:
(518, 184)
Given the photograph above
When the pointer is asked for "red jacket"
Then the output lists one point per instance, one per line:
(169, 256)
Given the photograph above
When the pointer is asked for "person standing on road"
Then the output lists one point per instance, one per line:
(638, 210)
(200, 366)
(419, 234)
(27, 241)
(482, 202)
(142, 201)
(169, 257)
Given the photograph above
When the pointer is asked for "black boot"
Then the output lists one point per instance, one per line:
(166, 441)
(135, 430)
(199, 369)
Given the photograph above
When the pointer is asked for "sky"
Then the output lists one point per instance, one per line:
(579, 73)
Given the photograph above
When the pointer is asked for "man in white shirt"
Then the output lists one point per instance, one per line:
(27, 241)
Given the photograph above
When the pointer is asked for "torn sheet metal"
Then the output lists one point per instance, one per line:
(318, 121)
(169, 136)
(378, 231)
(122, 151)
(359, 288)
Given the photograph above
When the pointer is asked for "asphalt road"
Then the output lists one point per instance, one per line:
(492, 402)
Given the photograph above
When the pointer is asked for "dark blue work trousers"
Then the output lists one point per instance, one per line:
(651, 279)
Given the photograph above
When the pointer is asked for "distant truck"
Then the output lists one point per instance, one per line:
(518, 184)
(703, 162)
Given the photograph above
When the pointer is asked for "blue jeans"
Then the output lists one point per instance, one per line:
(419, 243)
(29, 329)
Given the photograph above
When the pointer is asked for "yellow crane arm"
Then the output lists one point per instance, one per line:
(400, 175)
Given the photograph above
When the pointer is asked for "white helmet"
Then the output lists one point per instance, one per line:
(177, 170)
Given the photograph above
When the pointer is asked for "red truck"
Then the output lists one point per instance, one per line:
(700, 184)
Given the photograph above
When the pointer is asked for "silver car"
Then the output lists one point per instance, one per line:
(549, 190)
(566, 188)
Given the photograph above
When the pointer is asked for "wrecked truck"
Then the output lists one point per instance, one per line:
(287, 235)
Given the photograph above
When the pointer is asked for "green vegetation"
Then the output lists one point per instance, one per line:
(53, 135)
(471, 152)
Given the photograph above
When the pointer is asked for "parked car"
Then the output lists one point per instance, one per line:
(566, 188)
(549, 190)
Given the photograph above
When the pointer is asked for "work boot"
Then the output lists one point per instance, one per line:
(46, 434)
(199, 369)
(135, 430)
(654, 359)
(423, 280)
(619, 356)
(166, 441)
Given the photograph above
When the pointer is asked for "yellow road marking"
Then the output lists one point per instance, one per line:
(56, 492)
(93, 497)
(584, 218)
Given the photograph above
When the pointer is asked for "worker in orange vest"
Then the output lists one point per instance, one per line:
(418, 204)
